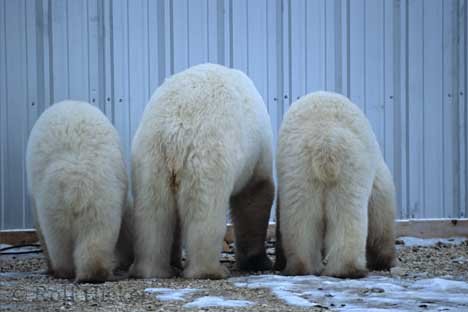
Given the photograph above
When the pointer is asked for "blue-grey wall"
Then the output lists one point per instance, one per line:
(403, 61)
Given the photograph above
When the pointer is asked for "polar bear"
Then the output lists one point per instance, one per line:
(336, 198)
(204, 144)
(78, 184)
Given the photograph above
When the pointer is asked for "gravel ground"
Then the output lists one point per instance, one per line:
(25, 287)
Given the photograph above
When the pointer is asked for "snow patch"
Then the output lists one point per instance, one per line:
(211, 301)
(424, 242)
(169, 294)
(440, 284)
(292, 299)
(374, 293)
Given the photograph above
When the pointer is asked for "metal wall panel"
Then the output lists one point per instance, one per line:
(404, 62)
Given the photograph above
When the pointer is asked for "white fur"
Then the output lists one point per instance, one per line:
(204, 135)
(327, 162)
(78, 183)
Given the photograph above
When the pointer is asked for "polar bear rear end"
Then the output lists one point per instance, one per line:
(204, 145)
(329, 163)
(78, 182)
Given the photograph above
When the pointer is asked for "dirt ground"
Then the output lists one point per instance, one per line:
(25, 287)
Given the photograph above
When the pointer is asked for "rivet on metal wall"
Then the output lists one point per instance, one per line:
(108, 99)
(32, 104)
(120, 100)
(93, 100)
(285, 96)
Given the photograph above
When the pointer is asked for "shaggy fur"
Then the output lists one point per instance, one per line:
(78, 183)
(335, 191)
(205, 138)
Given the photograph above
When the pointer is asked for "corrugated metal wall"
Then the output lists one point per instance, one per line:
(403, 62)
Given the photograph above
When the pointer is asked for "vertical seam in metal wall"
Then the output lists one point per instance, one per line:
(279, 59)
(408, 207)
(51, 54)
(289, 54)
(188, 32)
(384, 80)
(267, 100)
(325, 61)
(398, 140)
(462, 104)
(247, 35)
(465, 91)
(306, 63)
(4, 146)
(364, 100)
(102, 56)
(455, 90)
(128, 99)
(207, 23)
(87, 51)
(39, 14)
(111, 61)
(455, 87)
(161, 24)
(423, 201)
(443, 103)
(465, 102)
(231, 39)
(148, 52)
(338, 48)
(99, 98)
(146, 56)
(396, 102)
(25, 132)
(67, 32)
(7, 168)
(171, 34)
(220, 44)
(348, 49)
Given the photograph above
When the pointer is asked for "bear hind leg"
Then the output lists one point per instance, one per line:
(346, 232)
(93, 257)
(301, 230)
(203, 222)
(57, 239)
(94, 254)
(154, 226)
(381, 253)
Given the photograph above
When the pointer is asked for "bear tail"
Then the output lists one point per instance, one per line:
(329, 152)
(72, 184)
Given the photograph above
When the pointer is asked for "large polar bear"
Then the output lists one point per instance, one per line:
(203, 145)
(78, 183)
(335, 192)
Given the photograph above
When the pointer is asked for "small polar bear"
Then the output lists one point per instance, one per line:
(204, 145)
(336, 198)
(78, 184)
